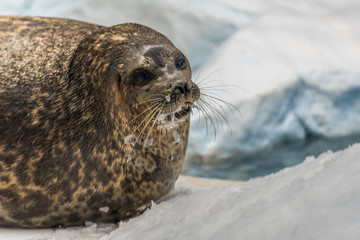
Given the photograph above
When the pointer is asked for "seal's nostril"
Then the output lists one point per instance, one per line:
(183, 88)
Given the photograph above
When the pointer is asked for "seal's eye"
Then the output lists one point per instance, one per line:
(142, 76)
(180, 63)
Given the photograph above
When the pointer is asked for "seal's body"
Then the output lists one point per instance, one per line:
(94, 120)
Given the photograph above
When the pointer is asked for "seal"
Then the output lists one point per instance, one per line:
(94, 120)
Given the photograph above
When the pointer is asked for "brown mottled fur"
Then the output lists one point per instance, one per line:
(67, 102)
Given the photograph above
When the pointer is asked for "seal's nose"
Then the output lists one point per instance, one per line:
(183, 88)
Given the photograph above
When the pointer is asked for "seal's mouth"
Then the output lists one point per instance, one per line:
(180, 113)
(183, 110)
(168, 121)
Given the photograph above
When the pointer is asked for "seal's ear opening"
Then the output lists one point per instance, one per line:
(118, 79)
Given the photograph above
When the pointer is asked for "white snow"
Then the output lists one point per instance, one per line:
(318, 199)
(315, 200)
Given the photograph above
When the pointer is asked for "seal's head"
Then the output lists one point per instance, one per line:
(161, 77)
(152, 73)
(145, 71)
(155, 75)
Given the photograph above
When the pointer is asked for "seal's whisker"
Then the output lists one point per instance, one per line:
(147, 120)
(215, 115)
(150, 107)
(218, 82)
(213, 92)
(209, 93)
(218, 106)
(213, 89)
(203, 115)
(229, 105)
(147, 101)
(218, 114)
(157, 96)
(224, 114)
(220, 85)
(209, 75)
(138, 115)
(155, 111)
(208, 116)
(153, 100)
(210, 119)
(159, 132)
(198, 112)
(152, 126)
(198, 75)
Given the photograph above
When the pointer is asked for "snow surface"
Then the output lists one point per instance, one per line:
(318, 199)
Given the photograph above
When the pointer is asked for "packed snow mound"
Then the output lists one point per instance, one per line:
(315, 200)
(318, 199)
(298, 70)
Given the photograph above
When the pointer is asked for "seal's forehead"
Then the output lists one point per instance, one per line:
(163, 50)
(158, 54)
(139, 33)
(157, 50)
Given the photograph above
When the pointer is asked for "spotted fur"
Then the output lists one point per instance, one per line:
(67, 103)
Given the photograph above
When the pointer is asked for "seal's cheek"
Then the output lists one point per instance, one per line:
(151, 92)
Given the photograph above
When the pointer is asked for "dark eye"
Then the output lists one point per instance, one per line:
(142, 76)
(180, 63)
